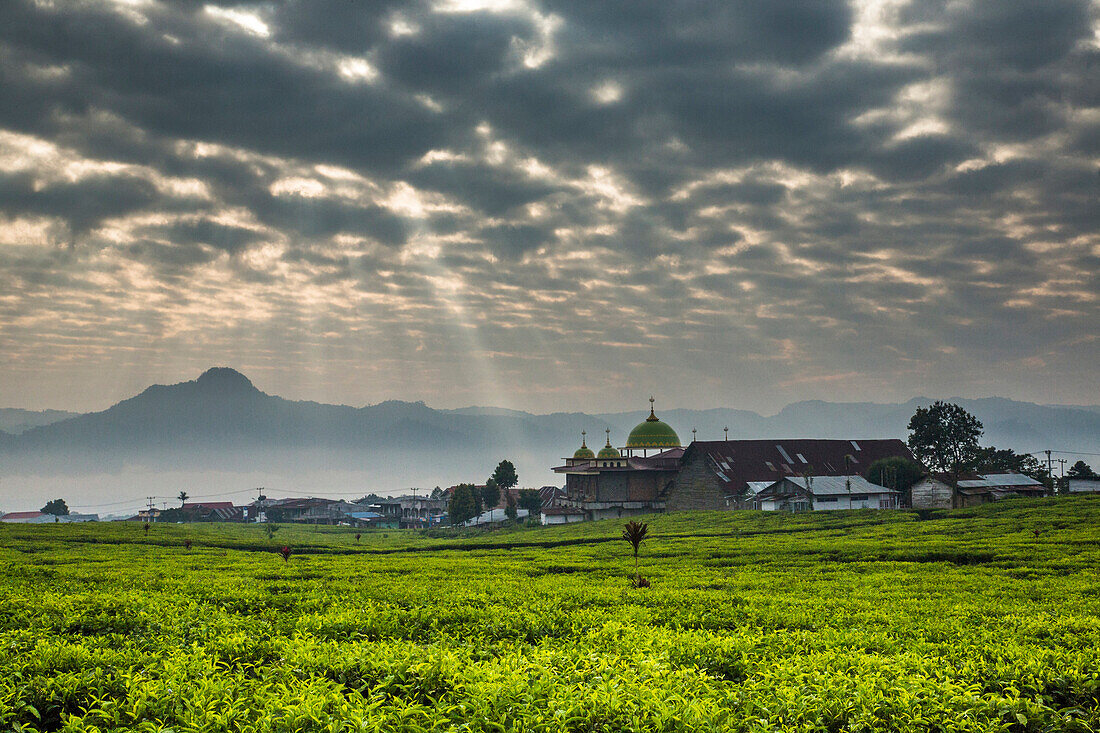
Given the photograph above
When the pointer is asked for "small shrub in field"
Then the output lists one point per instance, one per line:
(640, 581)
(145, 526)
(187, 544)
(358, 536)
(635, 533)
(270, 528)
(285, 552)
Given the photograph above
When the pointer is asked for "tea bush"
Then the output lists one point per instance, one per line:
(855, 621)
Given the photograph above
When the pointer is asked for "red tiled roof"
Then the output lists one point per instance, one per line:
(737, 462)
(561, 510)
(22, 515)
(208, 505)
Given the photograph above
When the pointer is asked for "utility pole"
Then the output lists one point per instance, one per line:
(151, 500)
(1050, 472)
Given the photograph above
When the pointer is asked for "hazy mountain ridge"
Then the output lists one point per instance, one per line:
(14, 420)
(222, 423)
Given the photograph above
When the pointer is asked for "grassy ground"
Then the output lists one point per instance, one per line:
(985, 619)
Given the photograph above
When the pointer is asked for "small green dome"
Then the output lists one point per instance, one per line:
(653, 433)
(608, 451)
(584, 451)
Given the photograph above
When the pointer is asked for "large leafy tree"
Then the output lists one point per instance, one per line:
(464, 503)
(490, 493)
(505, 475)
(944, 437)
(897, 473)
(57, 507)
(1006, 460)
(1081, 470)
(530, 500)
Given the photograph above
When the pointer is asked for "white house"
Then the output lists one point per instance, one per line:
(562, 515)
(823, 493)
(1083, 485)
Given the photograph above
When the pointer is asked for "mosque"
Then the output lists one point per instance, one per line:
(654, 472)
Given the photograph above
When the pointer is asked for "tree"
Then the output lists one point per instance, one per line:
(510, 507)
(56, 507)
(183, 498)
(635, 533)
(530, 500)
(1081, 470)
(505, 475)
(490, 494)
(895, 473)
(944, 437)
(463, 504)
(1006, 460)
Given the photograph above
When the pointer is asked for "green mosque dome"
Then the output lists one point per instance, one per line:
(584, 451)
(653, 433)
(607, 451)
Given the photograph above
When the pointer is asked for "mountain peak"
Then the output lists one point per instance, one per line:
(225, 379)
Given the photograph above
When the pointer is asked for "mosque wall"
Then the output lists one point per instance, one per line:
(695, 487)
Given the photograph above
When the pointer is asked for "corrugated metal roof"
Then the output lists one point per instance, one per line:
(1011, 479)
(833, 485)
(761, 460)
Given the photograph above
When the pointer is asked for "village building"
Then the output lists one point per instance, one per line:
(1083, 485)
(823, 493)
(653, 472)
(614, 484)
(213, 511)
(44, 518)
(934, 490)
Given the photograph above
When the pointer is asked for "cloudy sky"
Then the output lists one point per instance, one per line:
(551, 204)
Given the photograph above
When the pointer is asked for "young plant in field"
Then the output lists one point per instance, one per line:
(270, 528)
(285, 552)
(187, 545)
(145, 526)
(635, 533)
(357, 536)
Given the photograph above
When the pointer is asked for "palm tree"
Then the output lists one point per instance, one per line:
(849, 459)
(183, 498)
(634, 533)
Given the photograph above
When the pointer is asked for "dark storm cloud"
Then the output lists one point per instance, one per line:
(82, 204)
(229, 239)
(755, 184)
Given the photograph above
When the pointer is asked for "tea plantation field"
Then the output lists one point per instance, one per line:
(984, 619)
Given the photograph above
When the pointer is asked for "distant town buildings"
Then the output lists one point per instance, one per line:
(44, 518)
(653, 472)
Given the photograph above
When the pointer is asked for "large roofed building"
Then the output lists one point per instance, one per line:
(653, 472)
